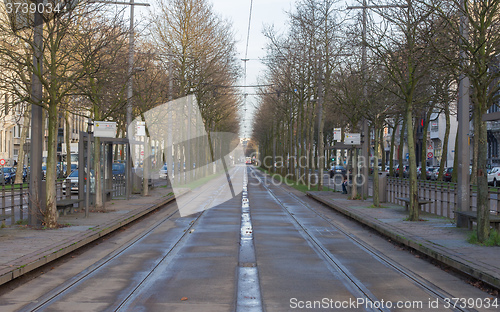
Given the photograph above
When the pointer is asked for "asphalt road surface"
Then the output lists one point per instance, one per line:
(278, 251)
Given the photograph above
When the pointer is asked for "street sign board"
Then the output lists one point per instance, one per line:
(430, 155)
(141, 128)
(337, 134)
(352, 138)
(105, 129)
(2, 162)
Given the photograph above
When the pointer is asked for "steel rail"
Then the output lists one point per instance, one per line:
(50, 297)
(416, 279)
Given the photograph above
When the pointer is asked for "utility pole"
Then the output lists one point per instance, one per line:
(36, 202)
(365, 147)
(129, 82)
(321, 145)
(463, 200)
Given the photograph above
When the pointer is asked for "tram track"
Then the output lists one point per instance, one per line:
(52, 296)
(359, 288)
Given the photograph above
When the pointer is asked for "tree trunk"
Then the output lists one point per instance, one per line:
(24, 135)
(483, 210)
(475, 151)
(401, 146)
(354, 165)
(68, 144)
(423, 166)
(376, 199)
(391, 156)
(382, 148)
(414, 213)
(444, 148)
(51, 176)
(454, 173)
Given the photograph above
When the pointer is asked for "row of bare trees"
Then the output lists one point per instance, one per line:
(85, 70)
(411, 75)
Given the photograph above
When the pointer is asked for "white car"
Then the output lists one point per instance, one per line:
(494, 176)
(163, 172)
(434, 174)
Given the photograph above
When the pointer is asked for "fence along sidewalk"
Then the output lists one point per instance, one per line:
(14, 200)
(442, 194)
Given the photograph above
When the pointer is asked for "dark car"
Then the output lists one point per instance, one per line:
(9, 174)
(337, 170)
(447, 174)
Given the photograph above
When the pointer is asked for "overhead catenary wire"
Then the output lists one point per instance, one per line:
(246, 59)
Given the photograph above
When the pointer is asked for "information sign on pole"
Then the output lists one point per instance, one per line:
(105, 129)
(141, 128)
(352, 138)
(337, 134)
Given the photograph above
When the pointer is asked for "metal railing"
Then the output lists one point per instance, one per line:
(442, 194)
(14, 200)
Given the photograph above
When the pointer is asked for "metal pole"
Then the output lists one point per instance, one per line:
(170, 163)
(35, 191)
(365, 149)
(463, 200)
(129, 97)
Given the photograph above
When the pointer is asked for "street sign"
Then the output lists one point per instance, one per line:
(430, 155)
(141, 128)
(142, 153)
(2, 162)
(407, 155)
(352, 138)
(337, 134)
(105, 129)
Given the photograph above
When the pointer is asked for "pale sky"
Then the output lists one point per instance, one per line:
(264, 12)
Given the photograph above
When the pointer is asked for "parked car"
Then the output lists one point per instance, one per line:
(406, 171)
(447, 174)
(494, 176)
(73, 177)
(338, 170)
(163, 172)
(44, 171)
(9, 174)
(429, 170)
(63, 172)
(434, 174)
(25, 174)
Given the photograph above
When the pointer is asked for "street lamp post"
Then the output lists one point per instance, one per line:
(365, 152)
(463, 200)
(129, 81)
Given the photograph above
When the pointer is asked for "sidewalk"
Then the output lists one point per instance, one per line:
(437, 237)
(24, 249)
